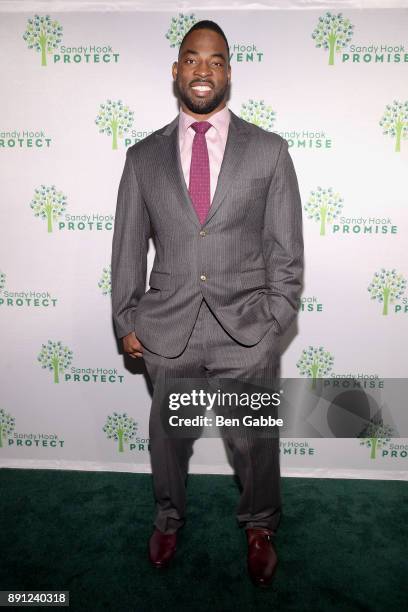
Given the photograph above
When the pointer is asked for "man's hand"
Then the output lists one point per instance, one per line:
(132, 345)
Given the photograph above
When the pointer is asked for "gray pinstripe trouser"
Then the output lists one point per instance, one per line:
(211, 353)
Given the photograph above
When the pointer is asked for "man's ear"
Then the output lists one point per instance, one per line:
(174, 70)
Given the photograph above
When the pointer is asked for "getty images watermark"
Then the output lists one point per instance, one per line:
(200, 399)
(346, 406)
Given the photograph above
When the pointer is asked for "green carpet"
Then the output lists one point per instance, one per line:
(342, 544)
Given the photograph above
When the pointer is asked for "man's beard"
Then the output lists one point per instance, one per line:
(201, 106)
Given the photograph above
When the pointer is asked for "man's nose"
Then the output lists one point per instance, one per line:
(203, 69)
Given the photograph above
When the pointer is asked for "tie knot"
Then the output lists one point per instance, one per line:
(201, 127)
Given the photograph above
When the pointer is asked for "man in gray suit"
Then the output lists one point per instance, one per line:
(220, 198)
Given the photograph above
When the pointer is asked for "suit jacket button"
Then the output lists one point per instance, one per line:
(203, 277)
(203, 233)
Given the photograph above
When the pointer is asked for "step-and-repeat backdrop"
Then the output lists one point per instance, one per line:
(79, 88)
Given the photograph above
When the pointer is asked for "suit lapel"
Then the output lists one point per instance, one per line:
(234, 155)
(174, 170)
(237, 142)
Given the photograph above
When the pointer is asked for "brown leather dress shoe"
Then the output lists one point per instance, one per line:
(162, 547)
(262, 557)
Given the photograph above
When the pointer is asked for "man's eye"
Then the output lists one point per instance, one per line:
(189, 60)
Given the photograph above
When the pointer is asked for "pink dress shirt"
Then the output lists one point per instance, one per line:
(216, 138)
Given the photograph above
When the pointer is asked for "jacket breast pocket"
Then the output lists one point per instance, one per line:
(252, 186)
(160, 280)
(252, 279)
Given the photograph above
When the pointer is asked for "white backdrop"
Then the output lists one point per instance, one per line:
(347, 127)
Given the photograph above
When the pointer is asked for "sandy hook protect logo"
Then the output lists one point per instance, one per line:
(105, 282)
(44, 35)
(49, 204)
(386, 287)
(58, 359)
(114, 119)
(120, 427)
(34, 440)
(7, 424)
(55, 357)
(332, 33)
(22, 298)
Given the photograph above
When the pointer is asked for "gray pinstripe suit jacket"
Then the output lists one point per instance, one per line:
(246, 259)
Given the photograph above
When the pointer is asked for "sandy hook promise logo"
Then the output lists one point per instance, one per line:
(258, 113)
(395, 122)
(332, 33)
(376, 436)
(120, 427)
(324, 205)
(386, 287)
(315, 362)
(261, 114)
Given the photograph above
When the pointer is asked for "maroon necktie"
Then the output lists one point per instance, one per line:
(199, 186)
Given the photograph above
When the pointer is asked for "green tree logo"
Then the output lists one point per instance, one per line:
(258, 113)
(395, 122)
(55, 358)
(315, 362)
(120, 427)
(324, 206)
(7, 423)
(376, 436)
(48, 203)
(114, 119)
(386, 287)
(43, 34)
(179, 26)
(2, 280)
(105, 283)
(333, 33)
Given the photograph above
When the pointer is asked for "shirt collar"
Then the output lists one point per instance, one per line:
(220, 120)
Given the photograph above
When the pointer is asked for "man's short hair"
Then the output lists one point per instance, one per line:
(206, 24)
